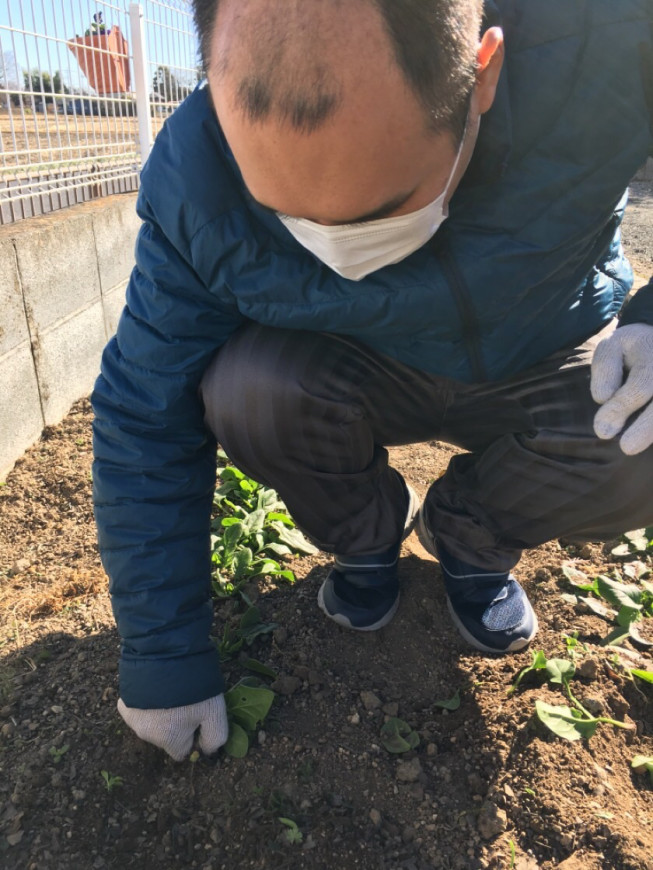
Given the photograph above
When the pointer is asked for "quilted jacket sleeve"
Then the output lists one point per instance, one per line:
(154, 474)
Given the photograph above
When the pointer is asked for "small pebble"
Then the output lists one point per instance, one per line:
(370, 701)
(409, 771)
(492, 820)
(375, 817)
(589, 669)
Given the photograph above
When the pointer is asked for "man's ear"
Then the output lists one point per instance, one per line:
(489, 61)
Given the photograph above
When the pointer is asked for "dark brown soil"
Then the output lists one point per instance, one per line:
(485, 780)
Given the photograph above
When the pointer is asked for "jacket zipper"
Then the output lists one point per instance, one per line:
(470, 327)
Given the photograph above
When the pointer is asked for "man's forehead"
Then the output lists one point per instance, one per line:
(334, 136)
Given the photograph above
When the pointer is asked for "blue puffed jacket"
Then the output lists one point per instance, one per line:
(528, 262)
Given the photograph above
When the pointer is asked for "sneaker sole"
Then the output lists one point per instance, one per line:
(426, 541)
(346, 623)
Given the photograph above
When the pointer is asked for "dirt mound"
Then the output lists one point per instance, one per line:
(488, 786)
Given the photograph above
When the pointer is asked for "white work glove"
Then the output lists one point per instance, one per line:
(173, 729)
(628, 353)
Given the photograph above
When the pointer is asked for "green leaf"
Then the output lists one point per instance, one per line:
(232, 534)
(242, 562)
(620, 594)
(238, 741)
(647, 676)
(643, 763)
(617, 635)
(231, 473)
(560, 670)
(577, 578)
(293, 834)
(450, 704)
(397, 736)
(637, 638)
(267, 500)
(278, 549)
(636, 570)
(639, 539)
(251, 617)
(627, 615)
(260, 668)
(597, 607)
(621, 550)
(569, 598)
(248, 705)
(294, 538)
(565, 722)
(284, 519)
(262, 628)
(539, 660)
(253, 522)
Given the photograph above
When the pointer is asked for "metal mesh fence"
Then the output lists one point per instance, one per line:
(84, 88)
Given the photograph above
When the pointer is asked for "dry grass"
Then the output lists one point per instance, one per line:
(47, 139)
(31, 596)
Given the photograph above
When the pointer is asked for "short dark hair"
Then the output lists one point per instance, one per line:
(434, 43)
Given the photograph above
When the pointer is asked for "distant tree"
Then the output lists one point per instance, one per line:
(167, 87)
(9, 78)
(41, 82)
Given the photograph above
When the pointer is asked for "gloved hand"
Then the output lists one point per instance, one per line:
(173, 729)
(627, 352)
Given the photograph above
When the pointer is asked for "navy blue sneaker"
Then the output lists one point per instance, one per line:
(362, 592)
(489, 609)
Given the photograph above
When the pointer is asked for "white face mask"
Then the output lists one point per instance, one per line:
(357, 250)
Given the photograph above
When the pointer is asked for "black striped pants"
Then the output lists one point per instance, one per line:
(310, 414)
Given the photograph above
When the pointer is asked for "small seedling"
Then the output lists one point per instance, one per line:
(638, 542)
(292, 834)
(538, 663)
(251, 532)
(574, 722)
(573, 645)
(247, 707)
(643, 764)
(397, 736)
(513, 853)
(451, 704)
(110, 781)
(647, 676)
(58, 753)
(633, 601)
(248, 629)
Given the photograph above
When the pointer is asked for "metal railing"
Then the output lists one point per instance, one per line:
(84, 88)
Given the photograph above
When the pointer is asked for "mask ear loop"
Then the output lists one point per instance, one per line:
(472, 124)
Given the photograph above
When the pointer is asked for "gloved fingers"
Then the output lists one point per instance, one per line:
(635, 393)
(178, 745)
(159, 728)
(214, 729)
(639, 435)
(607, 371)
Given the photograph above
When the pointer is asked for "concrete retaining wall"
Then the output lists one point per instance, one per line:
(62, 288)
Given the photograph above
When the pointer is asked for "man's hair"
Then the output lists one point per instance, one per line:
(434, 43)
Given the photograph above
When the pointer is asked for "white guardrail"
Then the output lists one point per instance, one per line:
(84, 88)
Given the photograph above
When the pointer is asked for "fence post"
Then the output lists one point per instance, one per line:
(141, 83)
